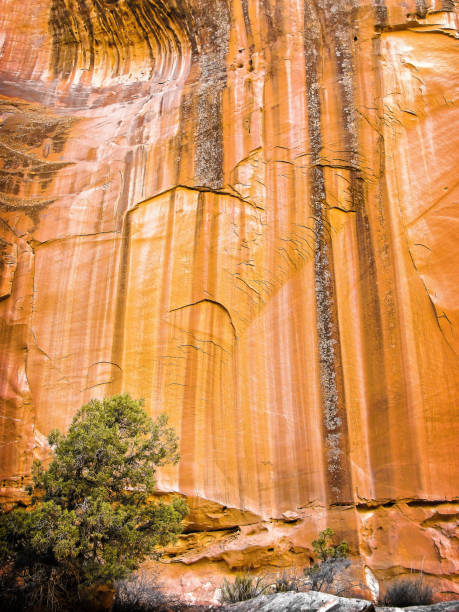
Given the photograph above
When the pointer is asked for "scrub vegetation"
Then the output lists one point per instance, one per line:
(92, 518)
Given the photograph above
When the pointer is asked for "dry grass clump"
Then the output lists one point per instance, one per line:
(143, 593)
(406, 592)
(245, 587)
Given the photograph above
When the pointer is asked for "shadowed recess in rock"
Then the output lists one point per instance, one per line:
(117, 37)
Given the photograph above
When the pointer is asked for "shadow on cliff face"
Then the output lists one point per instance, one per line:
(117, 37)
(127, 49)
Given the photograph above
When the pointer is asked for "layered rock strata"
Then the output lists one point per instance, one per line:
(244, 212)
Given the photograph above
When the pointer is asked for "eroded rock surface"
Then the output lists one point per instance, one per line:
(302, 602)
(244, 211)
(445, 606)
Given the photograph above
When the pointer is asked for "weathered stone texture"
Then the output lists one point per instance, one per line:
(244, 211)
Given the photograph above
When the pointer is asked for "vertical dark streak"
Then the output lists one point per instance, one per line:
(448, 5)
(87, 19)
(124, 196)
(380, 13)
(376, 377)
(214, 40)
(181, 146)
(245, 13)
(421, 8)
(332, 388)
(209, 139)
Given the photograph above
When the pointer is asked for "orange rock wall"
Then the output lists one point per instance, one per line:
(242, 211)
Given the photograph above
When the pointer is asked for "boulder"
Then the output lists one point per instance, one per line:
(324, 602)
(443, 606)
(311, 601)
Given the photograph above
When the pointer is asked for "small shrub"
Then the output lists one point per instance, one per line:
(287, 582)
(142, 593)
(244, 587)
(327, 574)
(326, 551)
(405, 593)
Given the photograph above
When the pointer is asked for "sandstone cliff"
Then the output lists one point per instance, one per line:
(244, 212)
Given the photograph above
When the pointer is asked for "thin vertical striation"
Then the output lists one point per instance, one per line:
(421, 8)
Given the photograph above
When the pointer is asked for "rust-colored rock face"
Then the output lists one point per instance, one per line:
(243, 211)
